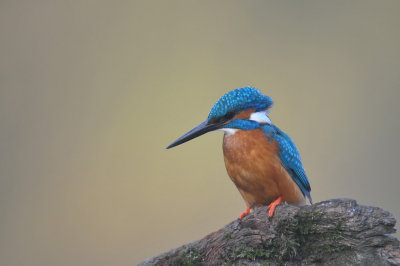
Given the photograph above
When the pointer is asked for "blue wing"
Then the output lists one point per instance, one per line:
(290, 158)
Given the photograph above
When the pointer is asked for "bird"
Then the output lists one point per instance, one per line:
(261, 160)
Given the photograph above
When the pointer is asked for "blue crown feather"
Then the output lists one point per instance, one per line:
(239, 100)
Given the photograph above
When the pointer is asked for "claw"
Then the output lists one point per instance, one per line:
(273, 205)
(246, 212)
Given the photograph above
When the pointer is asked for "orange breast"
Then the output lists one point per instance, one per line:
(254, 166)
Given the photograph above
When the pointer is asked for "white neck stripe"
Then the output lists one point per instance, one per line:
(260, 117)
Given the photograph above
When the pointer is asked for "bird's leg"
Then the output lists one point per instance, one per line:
(273, 205)
(246, 212)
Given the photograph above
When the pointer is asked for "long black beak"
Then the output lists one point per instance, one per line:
(199, 130)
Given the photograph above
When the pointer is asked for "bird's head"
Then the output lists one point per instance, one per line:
(229, 111)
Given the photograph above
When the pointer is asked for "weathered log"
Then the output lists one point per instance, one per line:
(334, 232)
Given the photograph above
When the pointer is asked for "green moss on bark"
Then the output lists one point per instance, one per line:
(295, 240)
(188, 257)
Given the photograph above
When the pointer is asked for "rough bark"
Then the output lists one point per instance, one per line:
(334, 232)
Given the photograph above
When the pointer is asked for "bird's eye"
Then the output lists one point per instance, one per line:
(223, 119)
(229, 116)
(218, 120)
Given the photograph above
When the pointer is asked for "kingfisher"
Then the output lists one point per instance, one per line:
(261, 160)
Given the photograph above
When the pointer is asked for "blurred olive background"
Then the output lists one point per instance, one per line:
(91, 93)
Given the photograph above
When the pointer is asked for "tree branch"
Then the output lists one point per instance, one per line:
(334, 232)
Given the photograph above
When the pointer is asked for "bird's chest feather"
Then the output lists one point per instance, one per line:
(253, 164)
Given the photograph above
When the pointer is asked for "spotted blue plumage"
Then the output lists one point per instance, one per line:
(290, 158)
(239, 100)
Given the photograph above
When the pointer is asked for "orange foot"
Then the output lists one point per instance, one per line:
(273, 205)
(246, 212)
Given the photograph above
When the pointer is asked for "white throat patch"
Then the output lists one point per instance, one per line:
(229, 131)
(260, 117)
